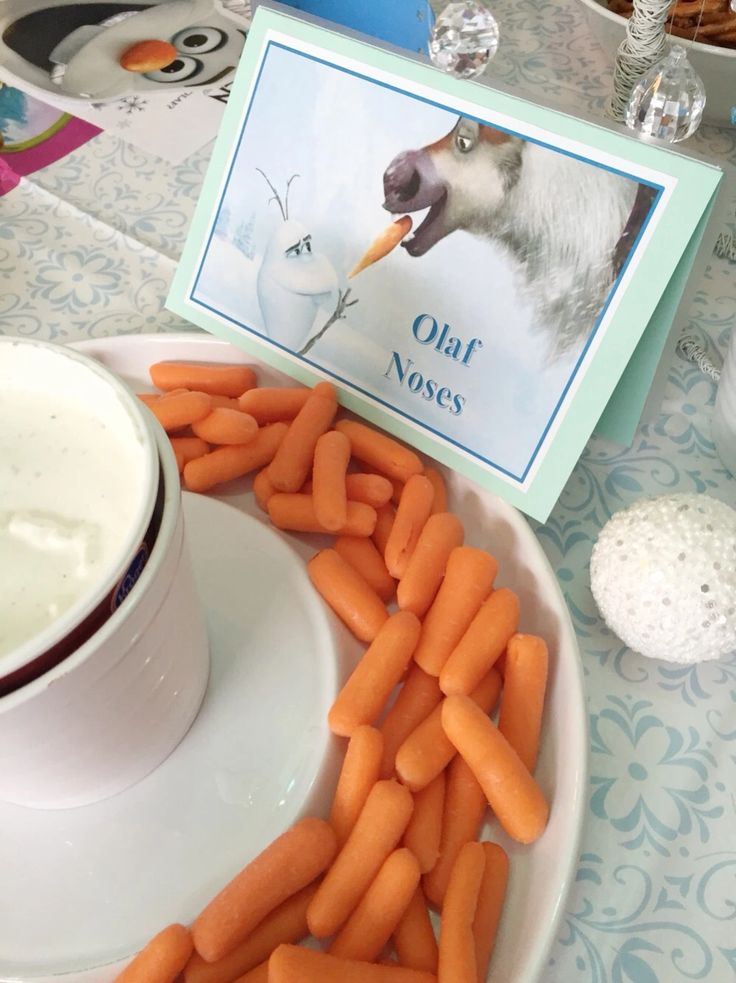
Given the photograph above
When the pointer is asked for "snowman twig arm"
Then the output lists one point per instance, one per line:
(339, 313)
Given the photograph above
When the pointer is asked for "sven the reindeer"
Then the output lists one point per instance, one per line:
(568, 222)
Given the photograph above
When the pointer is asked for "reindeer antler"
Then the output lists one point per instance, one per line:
(288, 185)
(276, 196)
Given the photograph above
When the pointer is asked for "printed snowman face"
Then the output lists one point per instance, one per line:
(293, 283)
(109, 49)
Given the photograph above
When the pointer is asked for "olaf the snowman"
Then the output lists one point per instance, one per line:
(95, 50)
(294, 283)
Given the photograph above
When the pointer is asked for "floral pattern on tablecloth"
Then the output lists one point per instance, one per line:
(87, 249)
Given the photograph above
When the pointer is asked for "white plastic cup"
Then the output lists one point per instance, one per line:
(724, 412)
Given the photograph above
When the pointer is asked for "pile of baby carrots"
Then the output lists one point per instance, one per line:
(423, 761)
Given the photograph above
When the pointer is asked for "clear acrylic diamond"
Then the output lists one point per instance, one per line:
(464, 38)
(668, 101)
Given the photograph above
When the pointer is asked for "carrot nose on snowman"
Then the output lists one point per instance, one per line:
(148, 56)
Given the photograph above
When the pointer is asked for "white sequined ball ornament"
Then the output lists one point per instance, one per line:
(663, 574)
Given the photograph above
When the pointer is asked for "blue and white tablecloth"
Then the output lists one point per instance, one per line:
(87, 249)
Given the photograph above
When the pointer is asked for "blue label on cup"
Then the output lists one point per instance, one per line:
(130, 577)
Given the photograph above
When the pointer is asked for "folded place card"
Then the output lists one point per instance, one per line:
(473, 271)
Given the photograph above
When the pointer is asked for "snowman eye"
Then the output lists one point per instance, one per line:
(180, 70)
(199, 40)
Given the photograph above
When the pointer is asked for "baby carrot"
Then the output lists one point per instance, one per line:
(439, 503)
(206, 377)
(263, 489)
(468, 581)
(520, 720)
(360, 772)
(331, 459)
(370, 926)
(490, 903)
(512, 793)
(384, 520)
(383, 244)
(364, 695)
(162, 959)
(225, 426)
(423, 833)
(180, 409)
(465, 806)
(416, 699)
(413, 511)
(296, 512)
(483, 642)
(427, 750)
(226, 402)
(288, 864)
(442, 532)
(380, 451)
(295, 964)
(373, 489)
(150, 398)
(257, 975)
(349, 596)
(360, 553)
(293, 460)
(287, 923)
(376, 833)
(274, 405)
(457, 960)
(226, 463)
(187, 449)
(414, 938)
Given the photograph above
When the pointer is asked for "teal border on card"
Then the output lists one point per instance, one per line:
(677, 223)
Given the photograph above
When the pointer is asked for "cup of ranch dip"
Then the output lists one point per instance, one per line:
(104, 657)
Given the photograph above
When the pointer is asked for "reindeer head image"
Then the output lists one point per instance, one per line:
(463, 179)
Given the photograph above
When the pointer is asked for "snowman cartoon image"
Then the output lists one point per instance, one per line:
(97, 50)
(295, 281)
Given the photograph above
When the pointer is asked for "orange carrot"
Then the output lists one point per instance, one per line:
(180, 409)
(371, 925)
(295, 964)
(150, 398)
(296, 512)
(257, 975)
(360, 553)
(225, 426)
(373, 489)
(288, 864)
(225, 402)
(188, 449)
(273, 405)
(427, 750)
(380, 451)
(287, 923)
(416, 699)
(483, 642)
(162, 959)
(441, 534)
(423, 833)
(414, 937)
(293, 460)
(457, 960)
(468, 581)
(360, 772)
(226, 463)
(263, 489)
(207, 377)
(490, 903)
(382, 246)
(349, 596)
(413, 511)
(376, 833)
(331, 459)
(385, 516)
(520, 720)
(465, 806)
(364, 695)
(516, 799)
(439, 503)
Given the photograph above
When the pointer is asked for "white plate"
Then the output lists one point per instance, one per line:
(208, 824)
